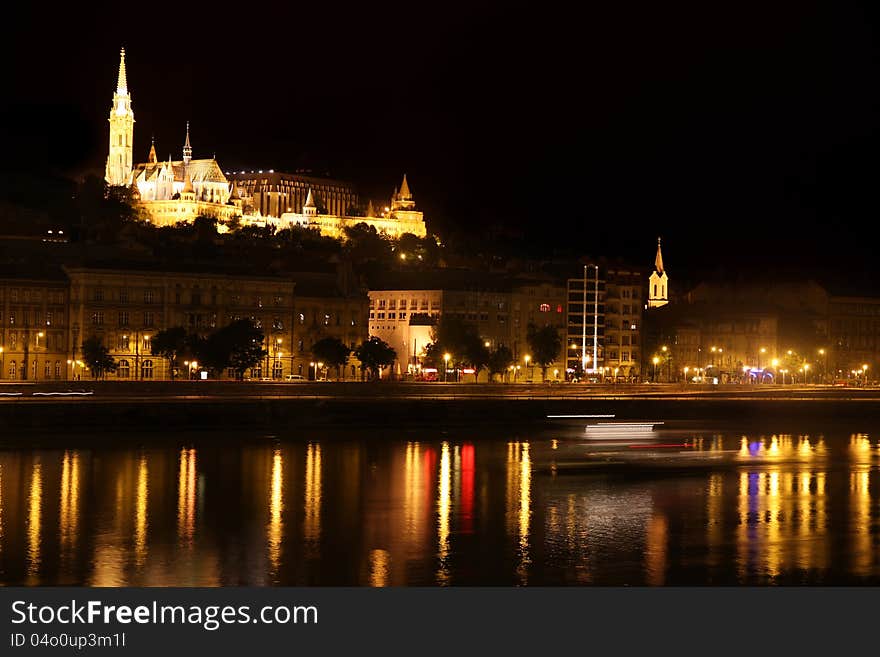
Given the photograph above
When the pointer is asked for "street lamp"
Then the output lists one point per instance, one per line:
(446, 358)
(527, 358)
(3, 363)
(806, 371)
(761, 351)
(686, 374)
(655, 360)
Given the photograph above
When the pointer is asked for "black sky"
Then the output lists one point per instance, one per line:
(744, 133)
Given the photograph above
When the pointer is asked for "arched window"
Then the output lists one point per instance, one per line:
(147, 369)
(655, 289)
(124, 370)
(13, 370)
(277, 369)
(57, 369)
(47, 370)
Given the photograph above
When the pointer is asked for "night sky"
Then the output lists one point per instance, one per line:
(744, 133)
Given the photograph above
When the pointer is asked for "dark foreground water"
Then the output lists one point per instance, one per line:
(786, 505)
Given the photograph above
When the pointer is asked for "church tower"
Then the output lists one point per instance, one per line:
(309, 208)
(119, 159)
(187, 149)
(658, 292)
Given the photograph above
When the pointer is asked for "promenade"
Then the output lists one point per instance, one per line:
(198, 404)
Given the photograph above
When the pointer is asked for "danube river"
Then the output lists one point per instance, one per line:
(780, 504)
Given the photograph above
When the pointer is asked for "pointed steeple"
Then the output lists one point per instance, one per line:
(404, 194)
(152, 156)
(371, 212)
(121, 83)
(188, 183)
(310, 201)
(187, 149)
(658, 261)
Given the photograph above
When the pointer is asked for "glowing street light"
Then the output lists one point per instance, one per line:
(655, 360)
(446, 358)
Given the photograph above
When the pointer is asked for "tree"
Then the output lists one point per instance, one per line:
(238, 345)
(97, 357)
(545, 344)
(332, 352)
(170, 344)
(375, 355)
(500, 360)
(476, 353)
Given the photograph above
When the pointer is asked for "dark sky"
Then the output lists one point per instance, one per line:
(744, 133)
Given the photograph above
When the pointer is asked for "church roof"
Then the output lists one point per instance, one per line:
(202, 170)
(310, 201)
(658, 260)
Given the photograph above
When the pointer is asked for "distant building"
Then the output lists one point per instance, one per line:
(403, 312)
(168, 191)
(171, 191)
(658, 282)
(604, 326)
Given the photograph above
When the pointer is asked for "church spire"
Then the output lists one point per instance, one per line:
(187, 149)
(121, 83)
(152, 156)
(119, 155)
(310, 200)
(404, 194)
(658, 261)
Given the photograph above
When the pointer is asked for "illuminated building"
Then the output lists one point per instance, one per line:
(405, 306)
(273, 193)
(167, 191)
(658, 282)
(604, 321)
(394, 220)
(125, 308)
(33, 323)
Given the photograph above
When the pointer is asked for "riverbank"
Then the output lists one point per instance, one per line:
(185, 405)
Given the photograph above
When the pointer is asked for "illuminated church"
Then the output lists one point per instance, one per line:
(170, 191)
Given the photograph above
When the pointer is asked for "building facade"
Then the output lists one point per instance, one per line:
(34, 326)
(125, 308)
(500, 309)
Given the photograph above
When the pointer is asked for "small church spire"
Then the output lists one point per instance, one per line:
(658, 261)
(121, 83)
(310, 201)
(152, 157)
(187, 149)
(404, 194)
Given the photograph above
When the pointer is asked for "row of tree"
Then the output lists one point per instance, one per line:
(237, 346)
(465, 347)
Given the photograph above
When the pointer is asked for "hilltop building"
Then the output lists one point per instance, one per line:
(171, 191)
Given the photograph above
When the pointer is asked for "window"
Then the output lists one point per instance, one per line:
(12, 318)
(196, 298)
(624, 355)
(124, 369)
(382, 303)
(13, 370)
(392, 305)
(392, 315)
(148, 296)
(544, 308)
(402, 305)
(97, 319)
(401, 315)
(124, 343)
(123, 318)
(277, 324)
(277, 369)
(99, 294)
(123, 295)
(47, 369)
(380, 316)
(147, 369)
(148, 318)
(57, 369)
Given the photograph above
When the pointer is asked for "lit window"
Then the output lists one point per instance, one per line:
(545, 307)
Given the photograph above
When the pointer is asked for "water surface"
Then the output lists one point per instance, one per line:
(791, 505)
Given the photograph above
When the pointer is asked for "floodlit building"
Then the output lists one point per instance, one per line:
(168, 191)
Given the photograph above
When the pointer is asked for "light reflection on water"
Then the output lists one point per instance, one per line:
(790, 508)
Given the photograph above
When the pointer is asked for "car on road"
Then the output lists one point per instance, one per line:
(294, 377)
